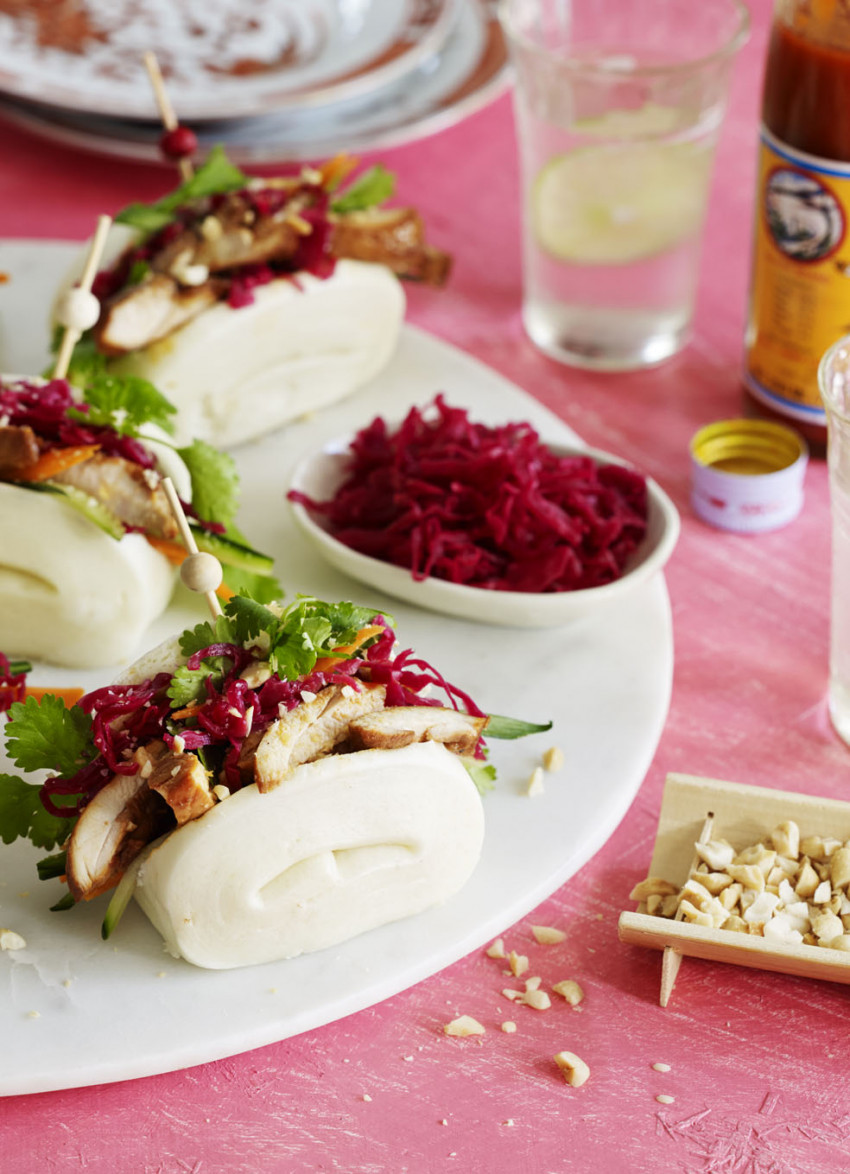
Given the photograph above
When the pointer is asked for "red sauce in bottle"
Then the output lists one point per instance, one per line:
(800, 293)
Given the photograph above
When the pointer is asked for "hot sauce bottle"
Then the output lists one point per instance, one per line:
(800, 287)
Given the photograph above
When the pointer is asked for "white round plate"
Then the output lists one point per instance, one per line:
(129, 1009)
(220, 58)
(320, 475)
(469, 71)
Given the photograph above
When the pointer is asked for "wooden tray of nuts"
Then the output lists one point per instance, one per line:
(746, 875)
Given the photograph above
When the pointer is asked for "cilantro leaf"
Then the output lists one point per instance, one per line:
(481, 773)
(371, 188)
(47, 735)
(249, 584)
(188, 685)
(22, 814)
(215, 482)
(250, 618)
(511, 727)
(193, 640)
(123, 402)
(216, 174)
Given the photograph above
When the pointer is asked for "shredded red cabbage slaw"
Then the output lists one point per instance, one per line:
(484, 507)
(126, 717)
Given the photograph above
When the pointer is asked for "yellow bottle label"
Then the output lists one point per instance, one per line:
(800, 293)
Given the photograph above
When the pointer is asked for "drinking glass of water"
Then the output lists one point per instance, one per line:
(618, 105)
(834, 382)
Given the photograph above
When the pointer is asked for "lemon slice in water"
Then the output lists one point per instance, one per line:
(616, 203)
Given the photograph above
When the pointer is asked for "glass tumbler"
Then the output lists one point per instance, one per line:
(618, 104)
(834, 382)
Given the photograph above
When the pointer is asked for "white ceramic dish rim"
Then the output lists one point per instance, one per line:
(511, 608)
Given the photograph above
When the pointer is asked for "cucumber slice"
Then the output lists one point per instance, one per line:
(233, 554)
(89, 507)
(120, 900)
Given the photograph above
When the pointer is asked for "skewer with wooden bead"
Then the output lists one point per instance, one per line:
(178, 143)
(78, 309)
(199, 571)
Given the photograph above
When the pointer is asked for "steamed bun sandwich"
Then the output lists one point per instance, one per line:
(273, 782)
(249, 302)
(88, 542)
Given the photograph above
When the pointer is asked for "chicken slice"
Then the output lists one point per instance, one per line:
(311, 730)
(404, 724)
(131, 492)
(394, 237)
(18, 448)
(183, 784)
(117, 824)
(151, 310)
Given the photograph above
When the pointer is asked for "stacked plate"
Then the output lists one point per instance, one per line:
(270, 79)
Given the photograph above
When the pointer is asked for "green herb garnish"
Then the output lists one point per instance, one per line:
(371, 188)
(216, 174)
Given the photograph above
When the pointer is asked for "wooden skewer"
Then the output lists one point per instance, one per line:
(79, 309)
(166, 110)
(199, 571)
(672, 959)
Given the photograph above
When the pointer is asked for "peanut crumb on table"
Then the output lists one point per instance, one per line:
(664, 1098)
(33, 1015)
(9, 940)
(547, 935)
(463, 1027)
(496, 949)
(365, 1097)
(659, 1067)
(509, 1027)
(569, 990)
(574, 1069)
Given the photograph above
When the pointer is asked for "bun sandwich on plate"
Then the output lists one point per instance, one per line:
(88, 542)
(271, 783)
(251, 301)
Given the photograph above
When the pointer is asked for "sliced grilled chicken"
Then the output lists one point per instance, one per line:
(113, 829)
(394, 237)
(405, 724)
(133, 495)
(18, 448)
(183, 784)
(154, 308)
(311, 730)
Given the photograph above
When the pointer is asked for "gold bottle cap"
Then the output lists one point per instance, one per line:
(748, 474)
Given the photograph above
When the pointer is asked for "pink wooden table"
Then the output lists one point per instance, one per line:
(758, 1062)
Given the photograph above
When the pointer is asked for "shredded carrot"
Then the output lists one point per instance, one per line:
(173, 551)
(224, 592)
(69, 696)
(57, 460)
(333, 171)
(345, 650)
(189, 711)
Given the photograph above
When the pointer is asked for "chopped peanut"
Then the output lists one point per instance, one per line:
(570, 990)
(546, 935)
(574, 1069)
(553, 759)
(463, 1027)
